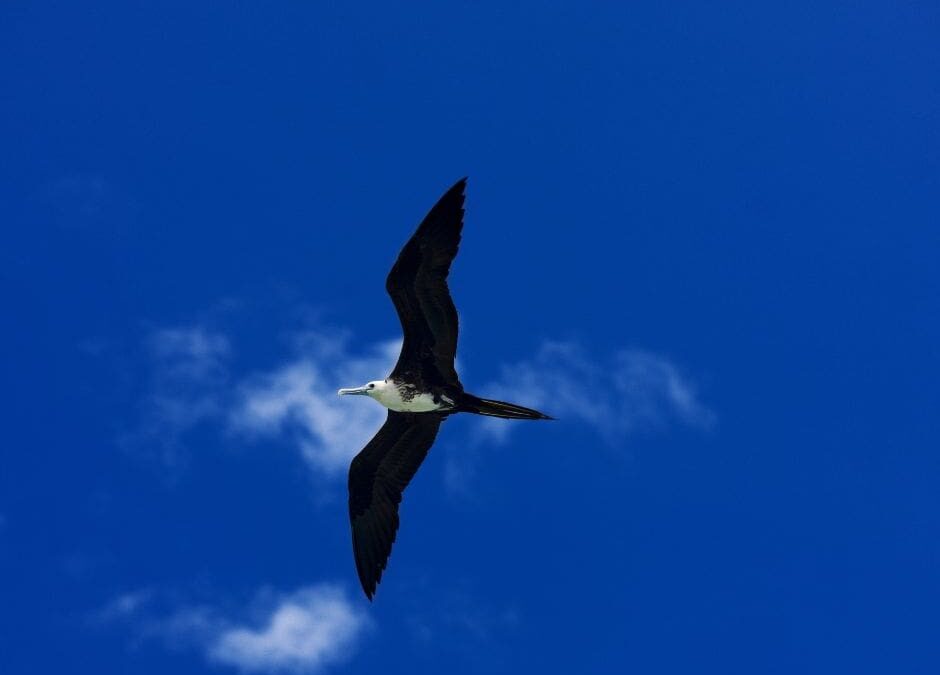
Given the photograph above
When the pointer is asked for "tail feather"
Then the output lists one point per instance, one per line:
(491, 408)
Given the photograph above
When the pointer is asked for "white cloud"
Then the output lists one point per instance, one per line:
(192, 382)
(628, 391)
(299, 632)
(300, 399)
(631, 390)
(305, 631)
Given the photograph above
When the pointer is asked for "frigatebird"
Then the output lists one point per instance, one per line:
(420, 393)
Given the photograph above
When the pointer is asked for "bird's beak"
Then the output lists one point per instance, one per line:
(361, 391)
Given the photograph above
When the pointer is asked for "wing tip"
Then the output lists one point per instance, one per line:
(369, 583)
(459, 186)
(369, 567)
(370, 594)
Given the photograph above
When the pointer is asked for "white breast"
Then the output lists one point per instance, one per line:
(391, 398)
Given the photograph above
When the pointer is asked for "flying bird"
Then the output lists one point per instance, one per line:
(420, 393)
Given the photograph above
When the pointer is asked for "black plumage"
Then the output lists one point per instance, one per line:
(377, 478)
(418, 286)
(380, 473)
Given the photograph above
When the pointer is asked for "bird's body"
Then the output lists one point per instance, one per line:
(420, 393)
(406, 397)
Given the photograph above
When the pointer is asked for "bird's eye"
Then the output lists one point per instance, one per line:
(371, 386)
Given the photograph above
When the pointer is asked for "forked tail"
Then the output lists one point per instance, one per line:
(490, 408)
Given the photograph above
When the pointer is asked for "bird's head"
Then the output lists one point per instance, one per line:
(368, 389)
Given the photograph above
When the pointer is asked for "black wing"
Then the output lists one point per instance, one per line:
(377, 478)
(418, 286)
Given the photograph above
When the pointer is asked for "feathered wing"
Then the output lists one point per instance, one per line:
(418, 286)
(377, 478)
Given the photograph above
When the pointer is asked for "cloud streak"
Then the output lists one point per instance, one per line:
(303, 631)
(299, 400)
(631, 390)
(295, 403)
(192, 383)
(189, 371)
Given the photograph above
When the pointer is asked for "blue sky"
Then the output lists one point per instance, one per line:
(704, 237)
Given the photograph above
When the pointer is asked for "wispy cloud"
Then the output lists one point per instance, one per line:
(451, 620)
(192, 382)
(303, 631)
(188, 373)
(295, 402)
(299, 400)
(463, 617)
(191, 352)
(124, 606)
(630, 390)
